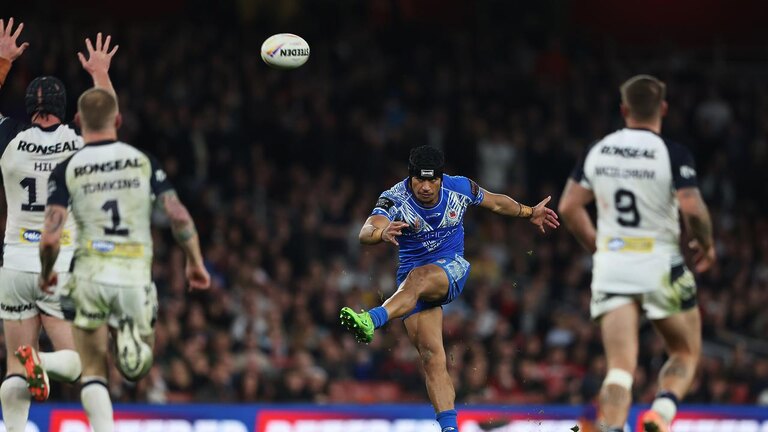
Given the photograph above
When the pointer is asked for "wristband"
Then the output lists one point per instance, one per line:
(525, 211)
(5, 66)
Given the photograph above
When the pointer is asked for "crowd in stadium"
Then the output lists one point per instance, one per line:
(280, 169)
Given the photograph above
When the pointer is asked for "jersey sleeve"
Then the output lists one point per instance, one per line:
(683, 167)
(9, 128)
(468, 187)
(389, 201)
(58, 192)
(578, 174)
(158, 181)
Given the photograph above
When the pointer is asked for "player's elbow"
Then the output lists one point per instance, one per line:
(181, 218)
(365, 238)
(565, 208)
(177, 213)
(692, 209)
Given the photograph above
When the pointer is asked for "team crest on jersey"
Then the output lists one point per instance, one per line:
(417, 225)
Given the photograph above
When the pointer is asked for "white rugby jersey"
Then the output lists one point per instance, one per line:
(29, 155)
(111, 187)
(634, 174)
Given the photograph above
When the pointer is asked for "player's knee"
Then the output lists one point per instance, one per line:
(431, 358)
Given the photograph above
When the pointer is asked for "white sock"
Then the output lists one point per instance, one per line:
(97, 405)
(62, 365)
(15, 399)
(665, 407)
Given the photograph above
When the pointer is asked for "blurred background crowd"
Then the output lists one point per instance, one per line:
(280, 169)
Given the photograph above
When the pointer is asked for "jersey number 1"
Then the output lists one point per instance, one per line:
(30, 185)
(626, 205)
(111, 207)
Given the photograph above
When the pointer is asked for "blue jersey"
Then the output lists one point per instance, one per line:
(435, 232)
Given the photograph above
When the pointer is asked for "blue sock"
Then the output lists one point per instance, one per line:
(379, 316)
(447, 420)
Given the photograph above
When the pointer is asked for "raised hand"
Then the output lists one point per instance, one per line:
(8, 45)
(543, 216)
(99, 58)
(48, 285)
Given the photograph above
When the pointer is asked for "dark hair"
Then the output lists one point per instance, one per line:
(643, 95)
(426, 162)
(46, 96)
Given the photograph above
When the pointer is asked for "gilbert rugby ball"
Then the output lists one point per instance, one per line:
(285, 51)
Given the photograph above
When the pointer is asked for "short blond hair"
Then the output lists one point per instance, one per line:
(97, 109)
(643, 95)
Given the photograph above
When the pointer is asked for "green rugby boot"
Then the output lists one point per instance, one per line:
(360, 324)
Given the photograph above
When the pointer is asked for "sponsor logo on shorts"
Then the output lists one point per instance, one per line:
(92, 315)
(17, 308)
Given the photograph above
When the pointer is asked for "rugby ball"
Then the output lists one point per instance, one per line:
(285, 51)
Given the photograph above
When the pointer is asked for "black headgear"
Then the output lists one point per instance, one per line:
(426, 162)
(46, 95)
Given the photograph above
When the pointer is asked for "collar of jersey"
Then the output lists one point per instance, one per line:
(102, 142)
(642, 129)
(50, 128)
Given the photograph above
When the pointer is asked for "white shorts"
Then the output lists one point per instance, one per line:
(21, 297)
(667, 300)
(90, 304)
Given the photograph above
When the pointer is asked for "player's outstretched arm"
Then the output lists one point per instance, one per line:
(9, 48)
(184, 232)
(540, 215)
(50, 243)
(98, 61)
(378, 228)
(699, 224)
(574, 212)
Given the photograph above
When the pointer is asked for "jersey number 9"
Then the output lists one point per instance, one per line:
(626, 205)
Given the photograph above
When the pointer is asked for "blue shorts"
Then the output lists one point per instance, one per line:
(457, 270)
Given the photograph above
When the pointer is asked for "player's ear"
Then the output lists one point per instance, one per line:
(664, 108)
(624, 110)
(77, 120)
(118, 120)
